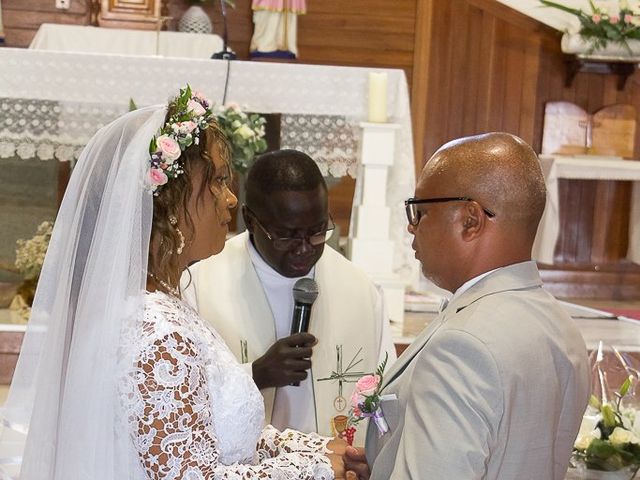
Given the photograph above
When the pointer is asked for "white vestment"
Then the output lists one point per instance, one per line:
(348, 316)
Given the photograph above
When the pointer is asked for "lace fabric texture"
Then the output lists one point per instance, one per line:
(192, 411)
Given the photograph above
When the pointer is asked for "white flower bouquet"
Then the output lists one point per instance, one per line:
(245, 133)
(608, 21)
(609, 436)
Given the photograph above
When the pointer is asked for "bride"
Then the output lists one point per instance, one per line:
(117, 377)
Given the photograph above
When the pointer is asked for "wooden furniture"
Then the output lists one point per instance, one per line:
(120, 41)
(569, 130)
(576, 63)
(134, 14)
(592, 202)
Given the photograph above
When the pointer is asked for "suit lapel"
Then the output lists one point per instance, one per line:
(520, 276)
(401, 363)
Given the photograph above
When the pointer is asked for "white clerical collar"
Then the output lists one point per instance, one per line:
(266, 271)
(469, 283)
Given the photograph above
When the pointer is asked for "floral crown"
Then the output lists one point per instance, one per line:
(193, 114)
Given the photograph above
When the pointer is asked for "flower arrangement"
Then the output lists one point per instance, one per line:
(365, 402)
(29, 260)
(245, 132)
(612, 21)
(609, 436)
(30, 253)
(193, 114)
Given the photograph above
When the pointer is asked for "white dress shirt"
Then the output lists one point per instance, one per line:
(293, 406)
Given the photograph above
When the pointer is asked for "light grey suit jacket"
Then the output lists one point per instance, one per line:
(494, 388)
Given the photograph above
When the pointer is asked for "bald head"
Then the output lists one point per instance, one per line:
(498, 170)
(456, 239)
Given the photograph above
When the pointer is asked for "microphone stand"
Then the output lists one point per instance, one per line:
(225, 54)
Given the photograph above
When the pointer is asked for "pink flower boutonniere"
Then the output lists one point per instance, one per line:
(365, 400)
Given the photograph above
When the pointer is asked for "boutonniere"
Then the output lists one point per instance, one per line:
(365, 400)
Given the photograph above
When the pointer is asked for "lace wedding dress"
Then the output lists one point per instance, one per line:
(192, 411)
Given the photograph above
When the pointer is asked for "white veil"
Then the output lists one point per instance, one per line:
(65, 387)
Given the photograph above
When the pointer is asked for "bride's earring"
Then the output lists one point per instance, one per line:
(181, 246)
(174, 221)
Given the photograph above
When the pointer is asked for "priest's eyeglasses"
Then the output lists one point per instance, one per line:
(287, 243)
(413, 214)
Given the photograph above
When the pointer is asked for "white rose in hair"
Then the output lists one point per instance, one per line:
(169, 148)
(196, 108)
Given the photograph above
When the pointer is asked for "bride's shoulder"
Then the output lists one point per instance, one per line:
(165, 312)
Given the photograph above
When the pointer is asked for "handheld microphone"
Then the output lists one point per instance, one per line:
(305, 292)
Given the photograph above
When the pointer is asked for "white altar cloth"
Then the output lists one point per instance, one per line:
(51, 103)
(88, 39)
(555, 167)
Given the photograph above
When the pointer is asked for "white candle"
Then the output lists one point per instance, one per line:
(378, 97)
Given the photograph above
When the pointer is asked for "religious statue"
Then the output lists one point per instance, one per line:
(275, 27)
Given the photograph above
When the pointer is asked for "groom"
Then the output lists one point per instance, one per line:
(496, 386)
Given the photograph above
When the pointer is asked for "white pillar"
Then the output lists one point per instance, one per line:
(370, 244)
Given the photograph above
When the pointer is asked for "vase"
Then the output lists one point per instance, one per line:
(574, 43)
(195, 20)
(583, 473)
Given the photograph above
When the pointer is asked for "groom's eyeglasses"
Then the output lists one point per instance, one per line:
(414, 214)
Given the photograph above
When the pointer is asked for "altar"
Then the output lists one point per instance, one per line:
(51, 103)
(120, 41)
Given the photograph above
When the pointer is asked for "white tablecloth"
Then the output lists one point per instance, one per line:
(88, 39)
(555, 167)
(51, 103)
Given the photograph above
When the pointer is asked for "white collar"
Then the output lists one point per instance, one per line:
(469, 283)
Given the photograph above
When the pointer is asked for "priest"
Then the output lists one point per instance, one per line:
(306, 379)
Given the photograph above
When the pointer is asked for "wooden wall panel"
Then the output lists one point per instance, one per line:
(492, 68)
(22, 18)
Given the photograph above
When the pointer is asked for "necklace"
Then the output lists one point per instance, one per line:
(169, 288)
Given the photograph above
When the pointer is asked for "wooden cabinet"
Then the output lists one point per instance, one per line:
(134, 14)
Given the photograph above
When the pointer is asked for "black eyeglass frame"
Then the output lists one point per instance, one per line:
(418, 201)
(285, 243)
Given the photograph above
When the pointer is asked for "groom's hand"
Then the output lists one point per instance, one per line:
(337, 447)
(285, 363)
(355, 463)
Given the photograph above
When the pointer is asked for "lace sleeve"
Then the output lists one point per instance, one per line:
(173, 428)
(273, 442)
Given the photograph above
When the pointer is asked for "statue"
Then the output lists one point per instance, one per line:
(275, 27)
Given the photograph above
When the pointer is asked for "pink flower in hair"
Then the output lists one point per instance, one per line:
(196, 108)
(184, 127)
(200, 97)
(169, 148)
(157, 177)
